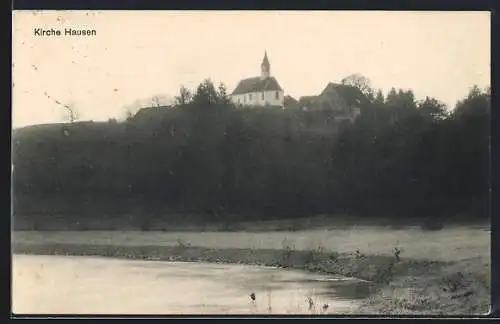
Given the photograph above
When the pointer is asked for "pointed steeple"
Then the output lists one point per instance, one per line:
(265, 61)
(265, 67)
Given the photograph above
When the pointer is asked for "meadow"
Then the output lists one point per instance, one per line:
(449, 244)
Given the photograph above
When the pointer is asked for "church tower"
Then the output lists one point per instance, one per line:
(265, 68)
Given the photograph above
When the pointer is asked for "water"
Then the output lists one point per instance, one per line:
(94, 285)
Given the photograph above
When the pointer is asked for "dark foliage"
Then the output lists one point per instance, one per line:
(205, 157)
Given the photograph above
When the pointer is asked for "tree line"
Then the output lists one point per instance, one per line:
(401, 157)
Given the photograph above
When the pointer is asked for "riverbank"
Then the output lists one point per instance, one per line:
(175, 223)
(404, 286)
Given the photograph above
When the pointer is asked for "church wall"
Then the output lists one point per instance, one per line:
(255, 98)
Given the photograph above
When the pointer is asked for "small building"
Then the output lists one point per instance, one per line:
(335, 97)
(342, 100)
(263, 90)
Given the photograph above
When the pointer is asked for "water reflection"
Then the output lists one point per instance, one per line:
(348, 289)
(82, 285)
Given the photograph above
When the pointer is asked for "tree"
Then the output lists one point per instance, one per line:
(160, 100)
(185, 96)
(129, 115)
(361, 82)
(379, 98)
(477, 103)
(72, 112)
(131, 109)
(222, 95)
(290, 102)
(400, 104)
(70, 109)
(406, 99)
(391, 95)
(156, 101)
(432, 108)
(206, 94)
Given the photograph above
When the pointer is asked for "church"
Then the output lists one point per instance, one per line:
(263, 90)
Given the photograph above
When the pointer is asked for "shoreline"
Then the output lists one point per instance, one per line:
(309, 260)
(401, 287)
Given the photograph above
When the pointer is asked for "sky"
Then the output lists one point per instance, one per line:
(136, 55)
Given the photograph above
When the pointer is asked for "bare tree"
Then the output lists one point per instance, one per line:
(129, 114)
(222, 94)
(361, 82)
(160, 100)
(131, 109)
(185, 96)
(156, 101)
(71, 110)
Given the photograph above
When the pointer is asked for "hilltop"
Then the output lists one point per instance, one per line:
(207, 159)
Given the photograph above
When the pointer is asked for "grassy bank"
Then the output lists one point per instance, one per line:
(458, 288)
(449, 244)
(431, 284)
(186, 222)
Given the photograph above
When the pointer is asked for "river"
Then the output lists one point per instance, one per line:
(98, 285)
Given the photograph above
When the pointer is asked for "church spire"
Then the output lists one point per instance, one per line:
(265, 67)
(265, 61)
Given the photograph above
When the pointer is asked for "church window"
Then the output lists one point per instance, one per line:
(250, 96)
(262, 95)
(277, 95)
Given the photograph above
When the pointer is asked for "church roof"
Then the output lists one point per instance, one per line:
(256, 84)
